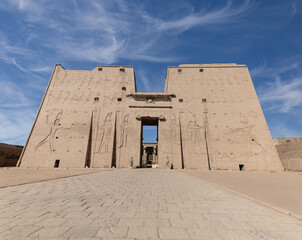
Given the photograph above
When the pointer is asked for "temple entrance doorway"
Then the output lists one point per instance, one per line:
(149, 143)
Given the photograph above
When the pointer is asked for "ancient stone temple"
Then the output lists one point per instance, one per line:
(208, 117)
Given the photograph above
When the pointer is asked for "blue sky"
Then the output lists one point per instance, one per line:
(149, 35)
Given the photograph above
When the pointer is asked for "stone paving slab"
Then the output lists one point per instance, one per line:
(137, 204)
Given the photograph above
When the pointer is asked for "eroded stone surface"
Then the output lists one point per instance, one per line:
(141, 204)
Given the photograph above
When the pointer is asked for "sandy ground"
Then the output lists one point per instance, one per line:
(282, 190)
(16, 176)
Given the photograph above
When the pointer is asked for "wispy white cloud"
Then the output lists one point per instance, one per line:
(95, 31)
(283, 90)
(55, 31)
(13, 96)
(224, 14)
(15, 125)
(294, 9)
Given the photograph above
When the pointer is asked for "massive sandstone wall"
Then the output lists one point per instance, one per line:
(209, 117)
(220, 100)
(290, 152)
(77, 118)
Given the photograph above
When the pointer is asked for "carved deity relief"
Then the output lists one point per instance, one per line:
(246, 131)
(124, 131)
(194, 131)
(104, 133)
(53, 121)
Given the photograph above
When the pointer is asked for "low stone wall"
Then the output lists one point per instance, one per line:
(290, 152)
(9, 154)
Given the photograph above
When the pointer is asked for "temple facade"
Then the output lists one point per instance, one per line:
(208, 117)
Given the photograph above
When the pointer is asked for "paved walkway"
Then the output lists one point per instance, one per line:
(137, 204)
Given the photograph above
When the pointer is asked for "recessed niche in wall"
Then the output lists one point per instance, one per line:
(200, 70)
(124, 88)
(57, 163)
(180, 100)
(241, 167)
(204, 100)
(119, 99)
(179, 70)
(96, 99)
(122, 69)
(100, 69)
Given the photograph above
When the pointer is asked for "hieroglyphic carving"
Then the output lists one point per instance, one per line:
(59, 97)
(66, 97)
(174, 128)
(124, 131)
(90, 80)
(108, 100)
(88, 97)
(105, 132)
(53, 121)
(50, 97)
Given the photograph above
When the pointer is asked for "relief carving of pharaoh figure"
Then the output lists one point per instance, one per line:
(104, 133)
(53, 121)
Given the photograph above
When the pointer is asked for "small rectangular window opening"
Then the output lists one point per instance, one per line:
(241, 167)
(124, 88)
(57, 163)
(119, 99)
(122, 69)
(179, 70)
(100, 69)
(200, 70)
(96, 99)
(180, 100)
(204, 100)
